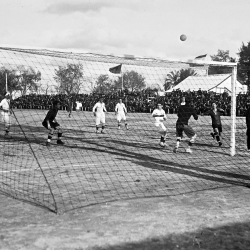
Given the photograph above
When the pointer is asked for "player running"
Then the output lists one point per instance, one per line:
(99, 114)
(184, 114)
(215, 114)
(51, 124)
(6, 112)
(160, 115)
(121, 111)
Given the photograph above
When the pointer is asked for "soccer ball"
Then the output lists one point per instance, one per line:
(183, 37)
(162, 144)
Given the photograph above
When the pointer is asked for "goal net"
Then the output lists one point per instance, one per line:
(142, 156)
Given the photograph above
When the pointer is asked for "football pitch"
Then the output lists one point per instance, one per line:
(118, 165)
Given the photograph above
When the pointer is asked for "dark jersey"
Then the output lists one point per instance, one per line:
(215, 116)
(51, 115)
(248, 117)
(184, 114)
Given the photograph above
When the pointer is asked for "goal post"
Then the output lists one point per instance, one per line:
(233, 111)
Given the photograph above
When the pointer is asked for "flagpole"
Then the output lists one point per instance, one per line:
(6, 83)
(122, 78)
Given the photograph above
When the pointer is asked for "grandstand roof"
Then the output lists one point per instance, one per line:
(217, 83)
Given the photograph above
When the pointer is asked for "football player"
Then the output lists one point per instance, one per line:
(121, 111)
(98, 111)
(160, 115)
(6, 112)
(52, 125)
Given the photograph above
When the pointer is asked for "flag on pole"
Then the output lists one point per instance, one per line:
(202, 57)
(116, 70)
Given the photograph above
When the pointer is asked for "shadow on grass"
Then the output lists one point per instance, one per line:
(235, 236)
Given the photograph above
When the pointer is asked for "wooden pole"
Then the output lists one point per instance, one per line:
(6, 83)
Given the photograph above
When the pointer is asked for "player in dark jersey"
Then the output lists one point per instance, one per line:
(184, 113)
(248, 126)
(215, 114)
(51, 124)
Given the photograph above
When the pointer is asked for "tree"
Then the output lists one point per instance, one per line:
(70, 78)
(12, 80)
(175, 77)
(244, 64)
(23, 79)
(27, 79)
(44, 89)
(221, 56)
(132, 81)
(103, 85)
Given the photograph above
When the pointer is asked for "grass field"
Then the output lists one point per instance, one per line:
(161, 200)
(121, 164)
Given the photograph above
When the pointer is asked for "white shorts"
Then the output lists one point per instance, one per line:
(121, 116)
(100, 118)
(6, 118)
(160, 124)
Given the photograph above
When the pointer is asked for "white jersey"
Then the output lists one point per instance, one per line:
(159, 115)
(120, 108)
(99, 108)
(78, 105)
(5, 104)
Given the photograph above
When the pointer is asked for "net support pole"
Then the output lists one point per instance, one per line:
(233, 111)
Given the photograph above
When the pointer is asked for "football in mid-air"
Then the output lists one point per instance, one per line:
(183, 37)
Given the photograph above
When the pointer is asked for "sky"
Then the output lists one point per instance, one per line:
(149, 28)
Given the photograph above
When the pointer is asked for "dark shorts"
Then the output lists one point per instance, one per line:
(180, 128)
(219, 127)
(53, 125)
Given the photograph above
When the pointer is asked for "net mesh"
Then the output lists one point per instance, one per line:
(92, 168)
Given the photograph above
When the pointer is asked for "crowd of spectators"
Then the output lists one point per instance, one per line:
(140, 101)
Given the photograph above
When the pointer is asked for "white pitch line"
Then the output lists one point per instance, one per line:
(19, 170)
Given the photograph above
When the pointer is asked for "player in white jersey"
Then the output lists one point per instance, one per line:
(99, 113)
(160, 115)
(121, 111)
(6, 112)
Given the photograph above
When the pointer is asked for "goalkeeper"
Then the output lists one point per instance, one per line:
(51, 124)
(184, 113)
